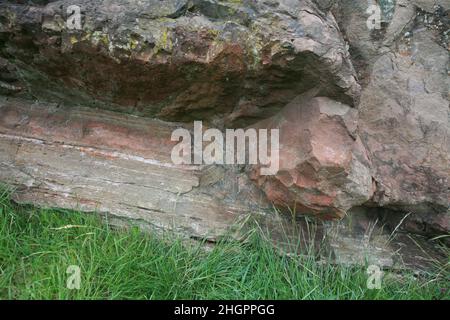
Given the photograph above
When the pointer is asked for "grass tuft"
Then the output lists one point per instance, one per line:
(38, 245)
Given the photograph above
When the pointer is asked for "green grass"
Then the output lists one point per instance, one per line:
(35, 252)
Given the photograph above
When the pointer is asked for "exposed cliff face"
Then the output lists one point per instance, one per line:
(86, 115)
(404, 118)
(228, 62)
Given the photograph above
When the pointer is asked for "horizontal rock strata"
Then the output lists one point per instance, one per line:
(86, 115)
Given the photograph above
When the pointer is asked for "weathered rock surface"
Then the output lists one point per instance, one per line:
(111, 163)
(118, 165)
(86, 115)
(323, 166)
(227, 62)
(404, 116)
(405, 123)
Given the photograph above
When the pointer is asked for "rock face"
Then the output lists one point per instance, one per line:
(227, 62)
(113, 163)
(323, 167)
(404, 118)
(86, 114)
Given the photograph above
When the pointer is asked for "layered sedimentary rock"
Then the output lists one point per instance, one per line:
(118, 164)
(86, 114)
(228, 62)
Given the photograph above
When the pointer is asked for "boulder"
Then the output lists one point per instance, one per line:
(324, 168)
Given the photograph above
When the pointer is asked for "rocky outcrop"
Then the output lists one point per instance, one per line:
(119, 165)
(227, 62)
(323, 166)
(404, 118)
(405, 123)
(86, 114)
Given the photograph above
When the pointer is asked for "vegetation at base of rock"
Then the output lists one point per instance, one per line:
(37, 246)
